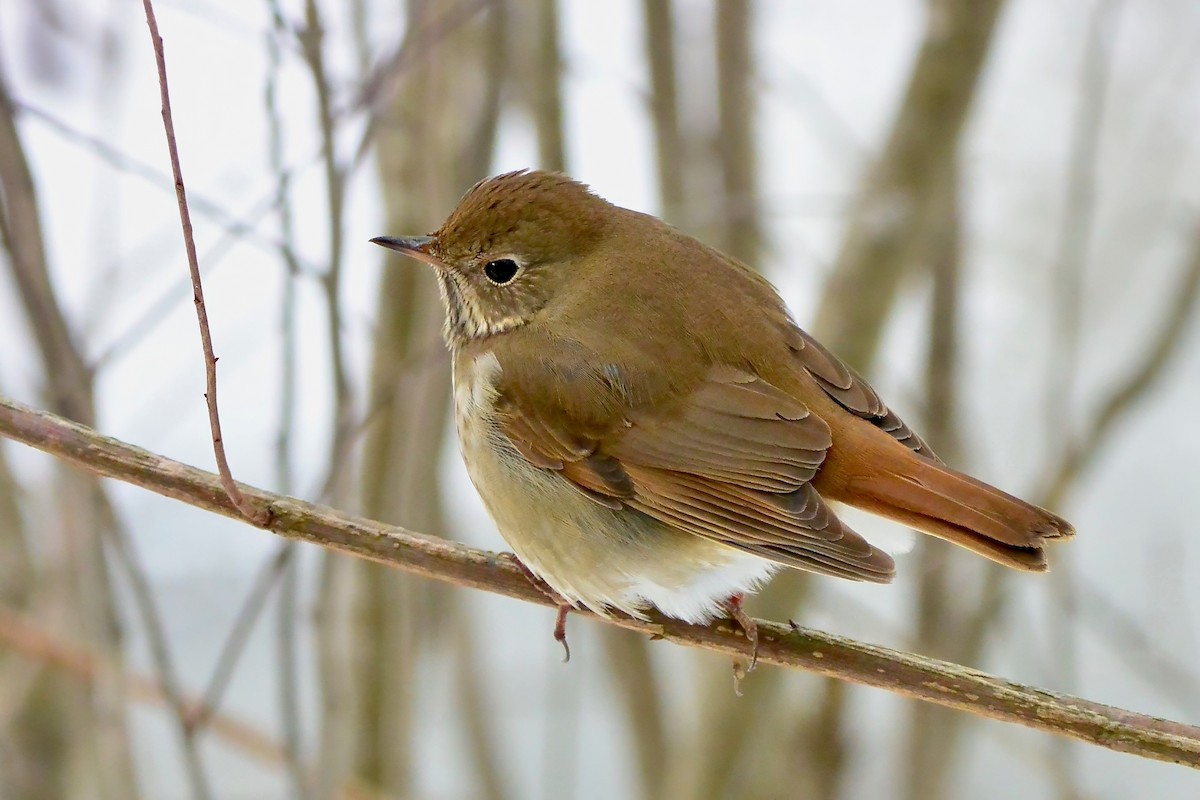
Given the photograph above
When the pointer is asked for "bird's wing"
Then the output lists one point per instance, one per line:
(732, 461)
(852, 392)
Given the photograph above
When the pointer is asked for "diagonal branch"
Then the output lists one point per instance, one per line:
(903, 673)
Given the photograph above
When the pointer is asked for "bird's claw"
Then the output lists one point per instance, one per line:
(734, 606)
(564, 608)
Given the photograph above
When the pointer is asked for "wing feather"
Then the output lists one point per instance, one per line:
(731, 461)
(852, 392)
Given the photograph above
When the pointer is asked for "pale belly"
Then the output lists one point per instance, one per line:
(592, 555)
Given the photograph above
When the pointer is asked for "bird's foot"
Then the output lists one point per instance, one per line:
(733, 606)
(564, 607)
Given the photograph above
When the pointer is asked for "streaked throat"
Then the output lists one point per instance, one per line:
(465, 319)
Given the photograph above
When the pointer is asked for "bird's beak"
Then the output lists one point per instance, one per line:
(413, 246)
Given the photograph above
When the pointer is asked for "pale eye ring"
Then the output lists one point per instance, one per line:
(501, 270)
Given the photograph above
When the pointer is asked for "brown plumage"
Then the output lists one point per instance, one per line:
(628, 367)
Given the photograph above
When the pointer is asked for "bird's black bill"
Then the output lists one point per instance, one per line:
(405, 244)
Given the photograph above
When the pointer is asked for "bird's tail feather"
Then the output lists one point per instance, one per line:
(952, 506)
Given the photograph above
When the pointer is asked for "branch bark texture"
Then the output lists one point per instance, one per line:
(907, 674)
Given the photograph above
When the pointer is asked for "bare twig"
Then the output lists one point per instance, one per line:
(141, 328)
(903, 673)
(259, 516)
(283, 562)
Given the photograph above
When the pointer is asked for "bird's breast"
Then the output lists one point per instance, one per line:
(592, 555)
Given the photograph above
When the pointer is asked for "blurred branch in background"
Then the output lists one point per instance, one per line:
(628, 659)
(545, 86)
(926, 759)
(731, 751)
(898, 197)
(289, 657)
(788, 646)
(434, 128)
(74, 729)
(1074, 249)
(30, 641)
(658, 32)
(1180, 310)
(736, 146)
(338, 732)
(1117, 404)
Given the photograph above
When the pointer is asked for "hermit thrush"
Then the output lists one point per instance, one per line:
(648, 426)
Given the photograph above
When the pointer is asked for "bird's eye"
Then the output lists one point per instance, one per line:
(501, 271)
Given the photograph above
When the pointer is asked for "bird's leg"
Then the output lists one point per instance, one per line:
(734, 607)
(560, 630)
(564, 608)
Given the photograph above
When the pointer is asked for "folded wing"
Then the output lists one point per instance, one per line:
(732, 461)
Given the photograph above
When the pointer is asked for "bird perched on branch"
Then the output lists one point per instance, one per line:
(647, 425)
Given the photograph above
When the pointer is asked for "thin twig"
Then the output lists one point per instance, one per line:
(906, 674)
(259, 516)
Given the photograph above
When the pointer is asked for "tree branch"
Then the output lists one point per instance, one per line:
(905, 674)
(254, 514)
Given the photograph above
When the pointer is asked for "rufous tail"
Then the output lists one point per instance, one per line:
(937, 500)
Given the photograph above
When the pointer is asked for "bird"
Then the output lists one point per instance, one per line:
(649, 428)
